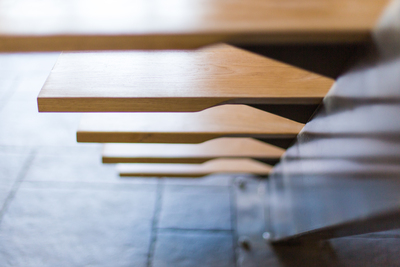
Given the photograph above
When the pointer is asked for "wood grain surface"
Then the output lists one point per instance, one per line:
(224, 147)
(139, 24)
(194, 170)
(174, 81)
(193, 127)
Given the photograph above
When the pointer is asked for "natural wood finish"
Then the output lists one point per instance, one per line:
(197, 127)
(194, 170)
(175, 81)
(187, 153)
(141, 24)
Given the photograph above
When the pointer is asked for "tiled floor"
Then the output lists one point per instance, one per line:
(59, 206)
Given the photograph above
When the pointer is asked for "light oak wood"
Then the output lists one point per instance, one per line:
(141, 24)
(189, 153)
(194, 170)
(197, 127)
(175, 81)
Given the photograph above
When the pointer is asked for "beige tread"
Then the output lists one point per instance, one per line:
(194, 170)
(192, 127)
(169, 81)
(224, 147)
(45, 25)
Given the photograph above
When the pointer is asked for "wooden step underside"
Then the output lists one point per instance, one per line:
(189, 153)
(197, 127)
(231, 166)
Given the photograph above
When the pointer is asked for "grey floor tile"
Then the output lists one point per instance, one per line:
(12, 160)
(8, 78)
(28, 86)
(250, 209)
(191, 207)
(83, 149)
(251, 224)
(20, 122)
(4, 193)
(85, 186)
(23, 74)
(76, 164)
(6, 88)
(26, 62)
(79, 227)
(22, 125)
(193, 249)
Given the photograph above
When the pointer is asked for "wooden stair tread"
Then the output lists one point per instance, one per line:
(190, 153)
(139, 24)
(169, 81)
(194, 170)
(192, 127)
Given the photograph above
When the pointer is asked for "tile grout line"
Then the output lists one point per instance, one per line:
(17, 183)
(232, 198)
(154, 224)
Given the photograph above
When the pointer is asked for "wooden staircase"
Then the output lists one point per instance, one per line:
(262, 72)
